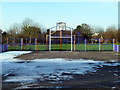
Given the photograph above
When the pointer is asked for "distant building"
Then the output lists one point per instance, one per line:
(95, 35)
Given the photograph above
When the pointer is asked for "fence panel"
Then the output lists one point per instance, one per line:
(14, 44)
(28, 44)
(61, 43)
(107, 45)
(78, 44)
(42, 44)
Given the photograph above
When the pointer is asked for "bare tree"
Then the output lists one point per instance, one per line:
(98, 29)
(27, 22)
(30, 29)
(110, 33)
(12, 33)
(16, 27)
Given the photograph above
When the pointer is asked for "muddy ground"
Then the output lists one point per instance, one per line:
(105, 78)
(101, 56)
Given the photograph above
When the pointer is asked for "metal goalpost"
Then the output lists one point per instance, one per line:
(59, 27)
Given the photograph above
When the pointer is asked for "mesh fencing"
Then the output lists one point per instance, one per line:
(26, 44)
(63, 44)
(78, 44)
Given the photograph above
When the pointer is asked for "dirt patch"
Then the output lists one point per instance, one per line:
(106, 77)
(103, 78)
(102, 56)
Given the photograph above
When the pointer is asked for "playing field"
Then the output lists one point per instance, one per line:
(89, 47)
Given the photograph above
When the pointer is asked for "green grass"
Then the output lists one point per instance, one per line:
(117, 43)
(27, 47)
(90, 47)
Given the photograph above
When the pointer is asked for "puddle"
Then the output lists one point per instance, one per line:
(51, 70)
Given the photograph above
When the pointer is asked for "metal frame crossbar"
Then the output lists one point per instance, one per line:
(60, 37)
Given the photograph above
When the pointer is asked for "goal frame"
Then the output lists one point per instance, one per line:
(59, 37)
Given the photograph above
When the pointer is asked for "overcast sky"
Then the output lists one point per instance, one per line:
(48, 14)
